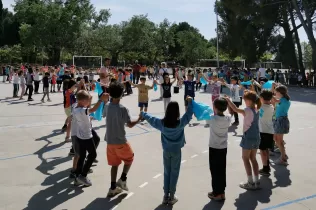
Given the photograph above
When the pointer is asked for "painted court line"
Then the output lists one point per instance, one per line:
(183, 161)
(114, 207)
(193, 156)
(205, 151)
(129, 195)
(158, 175)
(290, 202)
(143, 185)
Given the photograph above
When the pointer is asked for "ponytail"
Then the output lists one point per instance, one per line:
(258, 103)
(287, 96)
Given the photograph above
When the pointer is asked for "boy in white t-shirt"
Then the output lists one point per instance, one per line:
(234, 88)
(16, 82)
(266, 130)
(219, 125)
(84, 137)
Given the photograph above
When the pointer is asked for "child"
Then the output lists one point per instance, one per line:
(84, 135)
(251, 138)
(91, 78)
(54, 82)
(16, 81)
(128, 87)
(29, 83)
(172, 139)
(46, 87)
(266, 130)
(215, 86)
(281, 123)
(219, 125)
(189, 89)
(143, 93)
(69, 88)
(166, 86)
(234, 91)
(118, 149)
(22, 83)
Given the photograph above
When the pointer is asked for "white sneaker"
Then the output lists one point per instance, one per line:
(122, 185)
(49, 100)
(247, 186)
(42, 101)
(173, 200)
(114, 192)
(67, 139)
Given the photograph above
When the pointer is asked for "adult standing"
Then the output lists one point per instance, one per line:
(262, 74)
(136, 72)
(29, 83)
(162, 72)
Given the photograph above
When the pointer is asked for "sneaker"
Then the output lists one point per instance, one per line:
(247, 186)
(67, 139)
(72, 175)
(264, 172)
(71, 153)
(219, 197)
(257, 186)
(277, 150)
(42, 101)
(90, 171)
(281, 162)
(31, 99)
(95, 161)
(76, 183)
(49, 100)
(122, 185)
(114, 192)
(206, 125)
(165, 200)
(286, 157)
(84, 181)
(173, 200)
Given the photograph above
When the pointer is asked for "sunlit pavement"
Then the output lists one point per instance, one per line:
(34, 161)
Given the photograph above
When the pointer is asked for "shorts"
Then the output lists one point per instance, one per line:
(116, 153)
(186, 103)
(68, 111)
(250, 142)
(142, 104)
(75, 145)
(266, 141)
(281, 125)
(59, 82)
(46, 90)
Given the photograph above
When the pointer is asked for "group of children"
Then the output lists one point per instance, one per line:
(265, 122)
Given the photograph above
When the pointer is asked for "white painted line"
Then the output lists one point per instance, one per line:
(143, 185)
(205, 151)
(49, 198)
(193, 156)
(129, 195)
(183, 161)
(62, 179)
(62, 191)
(114, 207)
(158, 175)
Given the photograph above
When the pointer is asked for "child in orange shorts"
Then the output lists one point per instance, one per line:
(118, 149)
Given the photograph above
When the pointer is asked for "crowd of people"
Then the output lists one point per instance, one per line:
(265, 118)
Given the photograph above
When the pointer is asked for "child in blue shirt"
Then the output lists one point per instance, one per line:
(189, 88)
(172, 139)
(281, 123)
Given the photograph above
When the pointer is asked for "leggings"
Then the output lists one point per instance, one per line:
(166, 101)
(22, 89)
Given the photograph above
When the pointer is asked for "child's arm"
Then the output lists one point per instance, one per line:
(153, 121)
(131, 123)
(187, 117)
(134, 85)
(174, 80)
(104, 98)
(233, 106)
(207, 80)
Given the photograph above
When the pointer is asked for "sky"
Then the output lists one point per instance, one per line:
(198, 13)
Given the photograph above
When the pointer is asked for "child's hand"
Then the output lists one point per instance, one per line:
(226, 97)
(105, 97)
(189, 99)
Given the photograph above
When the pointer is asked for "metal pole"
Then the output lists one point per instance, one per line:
(217, 38)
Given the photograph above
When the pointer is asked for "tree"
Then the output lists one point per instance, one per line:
(307, 55)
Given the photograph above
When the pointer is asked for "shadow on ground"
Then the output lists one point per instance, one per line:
(105, 203)
(59, 191)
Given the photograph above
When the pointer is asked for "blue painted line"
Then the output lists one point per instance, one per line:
(27, 155)
(290, 202)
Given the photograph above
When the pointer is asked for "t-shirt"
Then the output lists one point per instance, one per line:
(265, 121)
(161, 72)
(64, 77)
(219, 131)
(91, 76)
(36, 76)
(29, 79)
(166, 90)
(248, 119)
(282, 108)
(67, 100)
(16, 79)
(116, 118)
(45, 82)
(234, 92)
(81, 118)
(215, 88)
(189, 88)
(262, 72)
(22, 80)
(143, 92)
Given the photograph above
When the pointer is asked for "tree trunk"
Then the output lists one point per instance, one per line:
(289, 40)
(308, 27)
(114, 60)
(54, 56)
(297, 40)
